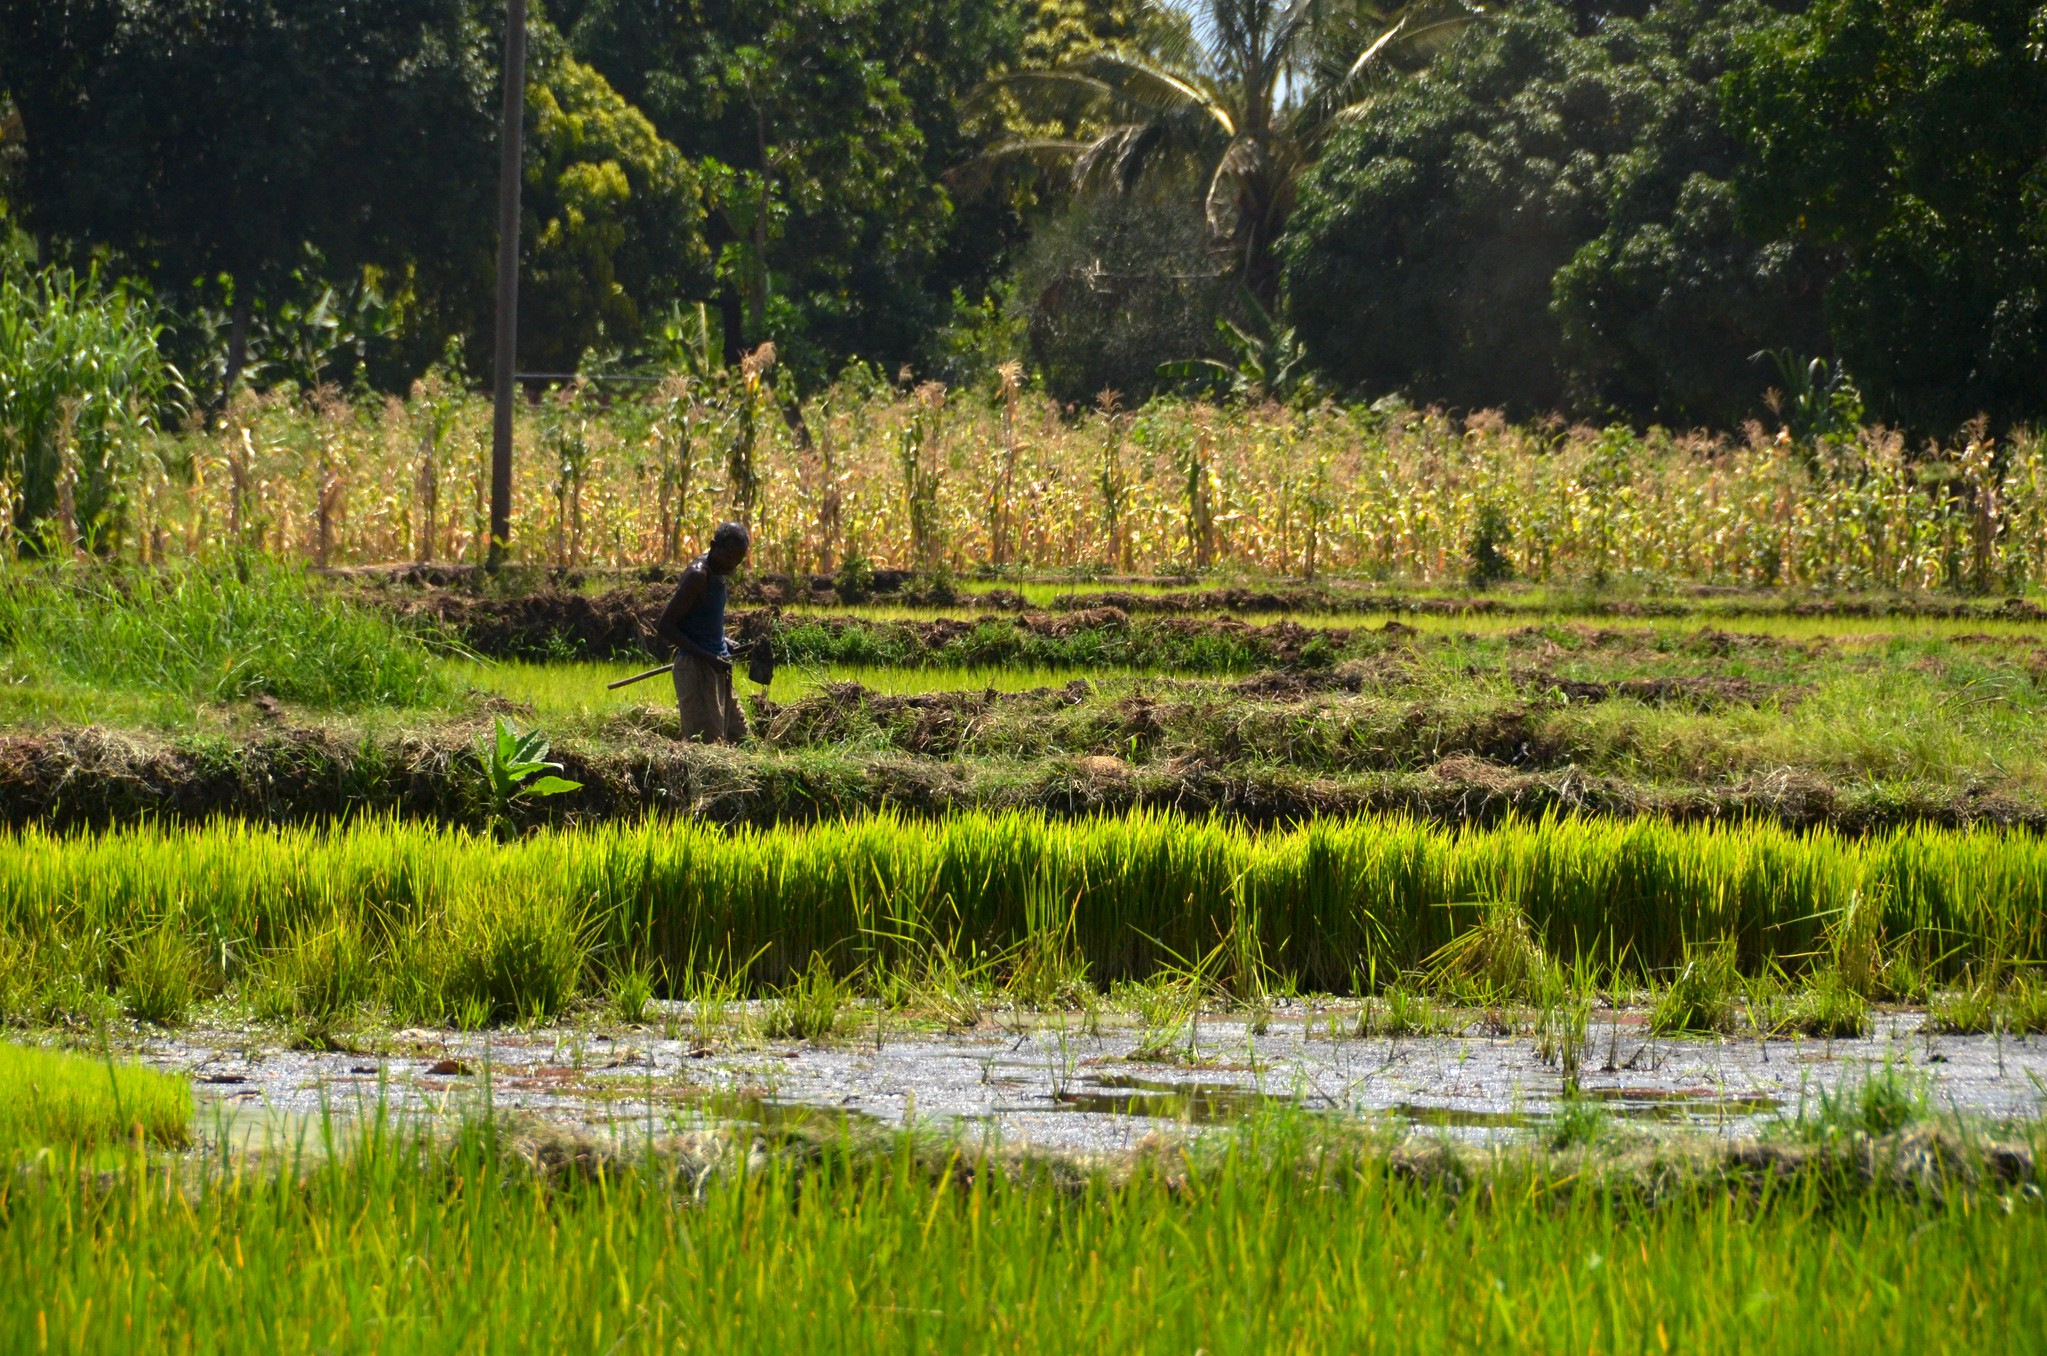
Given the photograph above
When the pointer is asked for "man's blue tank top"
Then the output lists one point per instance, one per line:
(704, 623)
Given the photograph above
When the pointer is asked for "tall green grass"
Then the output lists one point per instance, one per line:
(217, 631)
(49, 1097)
(399, 1247)
(442, 923)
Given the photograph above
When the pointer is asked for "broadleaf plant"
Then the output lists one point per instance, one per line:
(510, 760)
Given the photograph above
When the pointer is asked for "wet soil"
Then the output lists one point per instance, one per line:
(1044, 1082)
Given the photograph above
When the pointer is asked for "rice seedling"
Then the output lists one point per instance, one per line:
(320, 972)
(793, 1243)
(1399, 1012)
(809, 1009)
(429, 922)
(1994, 1000)
(1700, 996)
(1881, 1101)
(1497, 960)
(160, 976)
(1829, 1006)
(632, 993)
(51, 1097)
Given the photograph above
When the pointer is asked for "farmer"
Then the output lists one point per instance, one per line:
(694, 623)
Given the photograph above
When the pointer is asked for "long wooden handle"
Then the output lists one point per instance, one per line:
(641, 677)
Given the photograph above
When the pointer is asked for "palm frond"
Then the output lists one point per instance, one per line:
(977, 175)
(1154, 89)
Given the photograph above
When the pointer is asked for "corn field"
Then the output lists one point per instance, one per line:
(965, 481)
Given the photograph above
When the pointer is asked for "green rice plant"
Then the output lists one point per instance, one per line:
(1882, 1101)
(319, 973)
(1995, 1001)
(809, 1009)
(519, 925)
(1046, 970)
(1855, 946)
(820, 1240)
(1169, 1005)
(1401, 1011)
(161, 976)
(1577, 1121)
(50, 1097)
(1564, 1017)
(1496, 961)
(1700, 997)
(632, 993)
(523, 963)
(1829, 1006)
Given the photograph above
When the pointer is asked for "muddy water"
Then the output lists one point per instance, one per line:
(1050, 1084)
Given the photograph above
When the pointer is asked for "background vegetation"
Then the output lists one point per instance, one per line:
(1603, 210)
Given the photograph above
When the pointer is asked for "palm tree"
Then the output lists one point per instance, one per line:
(1244, 93)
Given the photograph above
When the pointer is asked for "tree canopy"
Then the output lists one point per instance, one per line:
(216, 142)
(1543, 220)
(1910, 137)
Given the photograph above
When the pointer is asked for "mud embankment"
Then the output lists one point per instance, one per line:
(91, 778)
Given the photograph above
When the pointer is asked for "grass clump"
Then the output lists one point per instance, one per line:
(1993, 1001)
(216, 631)
(1496, 961)
(320, 973)
(161, 977)
(1883, 1101)
(809, 1009)
(50, 1097)
(1701, 996)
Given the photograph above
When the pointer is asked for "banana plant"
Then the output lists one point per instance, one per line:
(510, 761)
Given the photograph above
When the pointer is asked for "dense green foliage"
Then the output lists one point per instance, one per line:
(1281, 1242)
(80, 379)
(1911, 138)
(222, 147)
(1543, 220)
(1651, 210)
(209, 632)
(614, 229)
(836, 118)
(441, 925)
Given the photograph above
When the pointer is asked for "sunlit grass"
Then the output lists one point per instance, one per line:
(50, 1097)
(442, 925)
(1847, 631)
(576, 690)
(1273, 1243)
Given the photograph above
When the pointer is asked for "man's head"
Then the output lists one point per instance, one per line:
(728, 548)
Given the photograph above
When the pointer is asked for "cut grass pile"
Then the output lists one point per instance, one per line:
(1273, 1242)
(445, 925)
(52, 1098)
(216, 631)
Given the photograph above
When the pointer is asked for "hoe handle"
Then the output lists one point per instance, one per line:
(640, 677)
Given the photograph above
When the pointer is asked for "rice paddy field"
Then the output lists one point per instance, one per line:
(1067, 960)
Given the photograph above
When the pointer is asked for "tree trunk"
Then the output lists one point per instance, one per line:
(732, 319)
(759, 281)
(237, 346)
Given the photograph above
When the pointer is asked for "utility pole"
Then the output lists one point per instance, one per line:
(511, 136)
